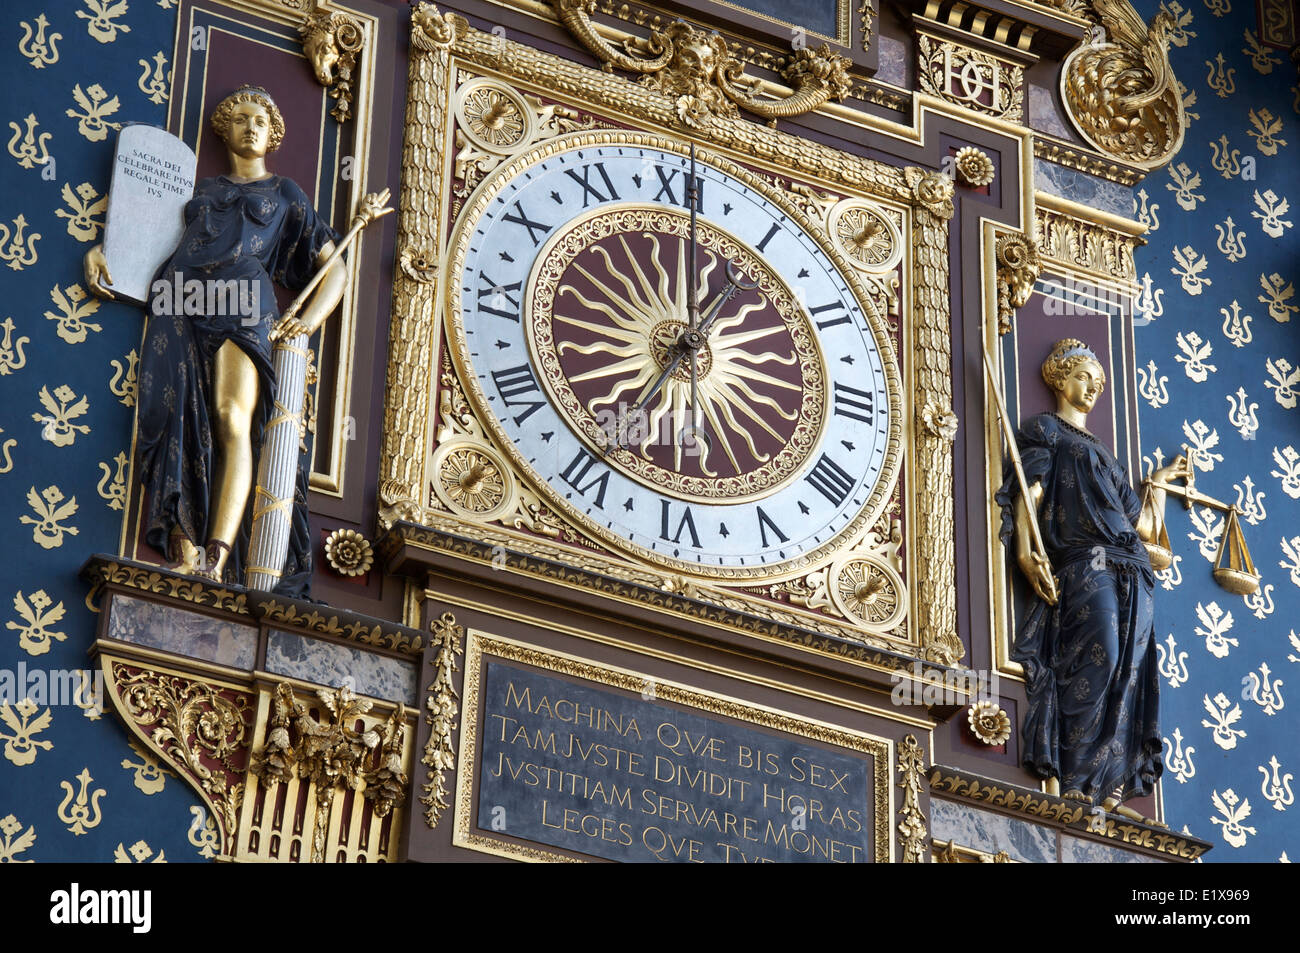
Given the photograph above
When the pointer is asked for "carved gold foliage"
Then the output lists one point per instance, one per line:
(333, 754)
(988, 722)
(935, 584)
(48, 529)
(332, 42)
(172, 586)
(20, 744)
(912, 831)
(201, 728)
(358, 631)
(39, 614)
(1119, 90)
(11, 847)
(970, 78)
(974, 167)
(1018, 267)
(699, 72)
(443, 705)
(1074, 241)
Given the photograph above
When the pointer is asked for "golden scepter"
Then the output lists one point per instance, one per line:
(1036, 537)
(373, 206)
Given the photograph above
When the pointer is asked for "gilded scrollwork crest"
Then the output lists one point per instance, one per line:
(699, 71)
(1119, 89)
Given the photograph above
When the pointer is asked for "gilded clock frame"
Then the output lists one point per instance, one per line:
(446, 50)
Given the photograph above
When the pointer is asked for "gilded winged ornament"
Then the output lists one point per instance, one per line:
(1119, 89)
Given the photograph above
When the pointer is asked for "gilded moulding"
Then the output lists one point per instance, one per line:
(1049, 810)
(698, 71)
(1119, 89)
(481, 646)
(420, 215)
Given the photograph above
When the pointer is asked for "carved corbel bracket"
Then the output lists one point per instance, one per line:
(332, 42)
(1119, 90)
(1019, 266)
(697, 68)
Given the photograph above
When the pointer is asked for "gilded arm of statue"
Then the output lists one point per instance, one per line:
(1033, 564)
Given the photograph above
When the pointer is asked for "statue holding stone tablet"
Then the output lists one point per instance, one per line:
(208, 376)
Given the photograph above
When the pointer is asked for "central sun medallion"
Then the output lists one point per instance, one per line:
(607, 318)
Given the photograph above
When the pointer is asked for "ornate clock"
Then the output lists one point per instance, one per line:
(757, 464)
(747, 448)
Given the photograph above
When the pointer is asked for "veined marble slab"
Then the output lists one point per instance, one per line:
(983, 830)
(173, 629)
(334, 665)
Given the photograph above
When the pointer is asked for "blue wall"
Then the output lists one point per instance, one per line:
(1224, 786)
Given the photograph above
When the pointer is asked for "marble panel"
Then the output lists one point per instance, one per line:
(984, 830)
(333, 665)
(178, 630)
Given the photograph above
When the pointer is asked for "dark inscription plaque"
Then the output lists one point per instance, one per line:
(632, 779)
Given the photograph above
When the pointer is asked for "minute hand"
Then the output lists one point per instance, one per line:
(681, 352)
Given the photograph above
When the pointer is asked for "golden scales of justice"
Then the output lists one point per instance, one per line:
(1234, 570)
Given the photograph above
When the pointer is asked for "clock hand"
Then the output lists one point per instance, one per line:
(689, 343)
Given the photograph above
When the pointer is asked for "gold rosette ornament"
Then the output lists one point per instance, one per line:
(348, 552)
(989, 722)
(974, 167)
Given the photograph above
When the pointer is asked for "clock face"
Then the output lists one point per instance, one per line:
(758, 444)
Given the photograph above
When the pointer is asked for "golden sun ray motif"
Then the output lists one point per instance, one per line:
(608, 305)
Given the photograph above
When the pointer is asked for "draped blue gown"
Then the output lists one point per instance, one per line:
(1090, 660)
(249, 232)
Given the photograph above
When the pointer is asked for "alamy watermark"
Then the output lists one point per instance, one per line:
(222, 297)
(936, 686)
(53, 687)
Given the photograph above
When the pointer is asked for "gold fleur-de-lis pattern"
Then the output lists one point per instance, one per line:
(68, 384)
(1222, 249)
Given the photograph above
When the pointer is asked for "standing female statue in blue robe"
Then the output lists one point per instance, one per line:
(1088, 642)
(206, 378)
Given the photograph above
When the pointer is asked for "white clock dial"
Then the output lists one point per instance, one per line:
(571, 304)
